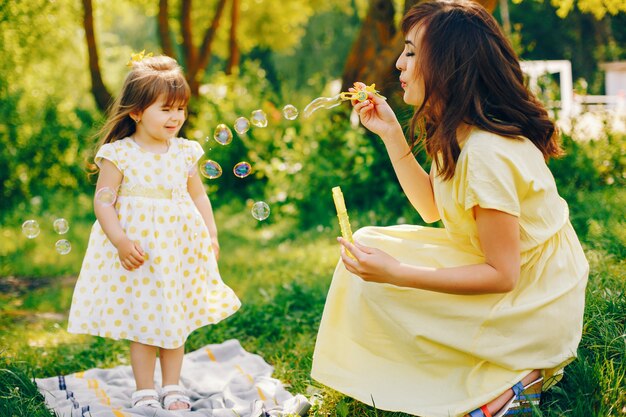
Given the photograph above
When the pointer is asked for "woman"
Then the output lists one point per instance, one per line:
(461, 320)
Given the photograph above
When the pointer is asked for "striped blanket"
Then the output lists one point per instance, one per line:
(222, 380)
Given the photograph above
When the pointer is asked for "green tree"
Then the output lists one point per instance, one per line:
(272, 24)
(42, 85)
(598, 8)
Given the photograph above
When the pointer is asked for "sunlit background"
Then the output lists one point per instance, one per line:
(63, 60)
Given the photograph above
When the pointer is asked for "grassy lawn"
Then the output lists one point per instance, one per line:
(282, 276)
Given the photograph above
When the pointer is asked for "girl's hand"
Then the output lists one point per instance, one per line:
(371, 264)
(130, 253)
(216, 248)
(376, 115)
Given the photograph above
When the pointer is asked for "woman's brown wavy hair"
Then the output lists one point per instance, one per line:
(145, 83)
(471, 74)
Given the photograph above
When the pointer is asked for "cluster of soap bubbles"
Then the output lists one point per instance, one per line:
(223, 135)
(31, 229)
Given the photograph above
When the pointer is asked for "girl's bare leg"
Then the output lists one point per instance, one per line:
(171, 364)
(143, 361)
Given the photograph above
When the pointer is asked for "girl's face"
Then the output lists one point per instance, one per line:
(411, 80)
(160, 122)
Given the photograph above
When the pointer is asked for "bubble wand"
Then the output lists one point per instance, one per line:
(342, 215)
(360, 94)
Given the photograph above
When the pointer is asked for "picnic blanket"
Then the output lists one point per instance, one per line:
(222, 380)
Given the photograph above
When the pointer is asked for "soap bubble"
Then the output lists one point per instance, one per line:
(223, 135)
(61, 226)
(290, 112)
(30, 228)
(210, 169)
(260, 210)
(106, 196)
(242, 169)
(259, 118)
(321, 103)
(63, 246)
(242, 125)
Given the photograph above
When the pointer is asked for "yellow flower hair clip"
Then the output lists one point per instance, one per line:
(138, 57)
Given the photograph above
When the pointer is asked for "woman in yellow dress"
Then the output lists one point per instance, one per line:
(470, 319)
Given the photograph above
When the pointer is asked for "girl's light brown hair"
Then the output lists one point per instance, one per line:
(149, 79)
(471, 74)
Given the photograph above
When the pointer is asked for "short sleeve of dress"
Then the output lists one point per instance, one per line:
(489, 178)
(194, 152)
(108, 151)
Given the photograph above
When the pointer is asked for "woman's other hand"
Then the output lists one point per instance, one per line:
(371, 264)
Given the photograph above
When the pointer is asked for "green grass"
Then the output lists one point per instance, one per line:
(282, 276)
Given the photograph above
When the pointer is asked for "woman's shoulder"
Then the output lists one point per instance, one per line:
(488, 152)
(479, 138)
(483, 142)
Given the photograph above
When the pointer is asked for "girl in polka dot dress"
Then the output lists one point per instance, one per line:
(150, 273)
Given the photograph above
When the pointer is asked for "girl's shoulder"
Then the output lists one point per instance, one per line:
(184, 143)
(117, 152)
(191, 149)
(118, 145)
(187, 145)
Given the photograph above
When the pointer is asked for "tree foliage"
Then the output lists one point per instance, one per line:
(194, 34)
(42, 91)
(598, 8)
(276, 52)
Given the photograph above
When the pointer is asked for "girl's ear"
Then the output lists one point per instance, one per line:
(136, 116)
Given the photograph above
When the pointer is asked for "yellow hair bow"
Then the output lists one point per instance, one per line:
(138, 57)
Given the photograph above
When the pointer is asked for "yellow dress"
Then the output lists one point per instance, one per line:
(440, 355)
(178, 288)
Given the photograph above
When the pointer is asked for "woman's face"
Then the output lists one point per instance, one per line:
(411, 80)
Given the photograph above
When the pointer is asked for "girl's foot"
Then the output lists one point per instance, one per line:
(145, 398)
(173, 397)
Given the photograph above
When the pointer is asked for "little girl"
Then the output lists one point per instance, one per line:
(150, 273)
(473, 318)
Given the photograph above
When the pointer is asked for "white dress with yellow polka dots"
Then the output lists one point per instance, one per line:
(178, 288)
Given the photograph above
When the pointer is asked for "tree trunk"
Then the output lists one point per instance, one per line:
(204, 53)
(374, 37)
(189, 52)
(233, 59)
(164, 29)
(98, 89)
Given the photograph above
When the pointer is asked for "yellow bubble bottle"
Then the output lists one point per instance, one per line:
(342, 215)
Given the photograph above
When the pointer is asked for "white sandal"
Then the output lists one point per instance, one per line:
(145, 398)
(171, 394)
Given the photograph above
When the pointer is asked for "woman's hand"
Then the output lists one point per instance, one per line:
(371, 264)
(376, 115)
(130, 253)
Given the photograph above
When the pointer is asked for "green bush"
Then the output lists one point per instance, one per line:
(295, 162)
(592, 164)
(42, 152)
